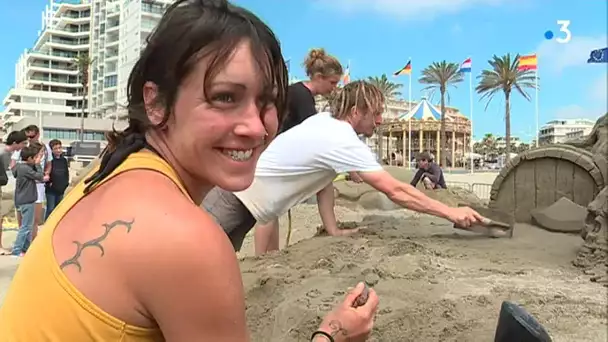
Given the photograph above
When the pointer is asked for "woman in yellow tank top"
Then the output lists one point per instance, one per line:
(128, 255)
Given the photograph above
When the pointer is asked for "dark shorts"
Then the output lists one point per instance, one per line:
(230, 214)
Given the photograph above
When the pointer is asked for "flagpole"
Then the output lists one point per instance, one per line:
(409, 138)
(471, 109)
(536, 104)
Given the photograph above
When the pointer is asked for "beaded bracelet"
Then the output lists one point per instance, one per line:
(323, 333)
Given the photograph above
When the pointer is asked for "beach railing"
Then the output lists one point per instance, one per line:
(462, 185)
(482, 190)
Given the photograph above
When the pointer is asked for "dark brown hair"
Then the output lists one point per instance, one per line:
(189, 31)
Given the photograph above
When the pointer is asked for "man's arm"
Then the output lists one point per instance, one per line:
(416, 178)
(326, 203)
(404, 194)
(196, 294)
(48, 155)
(14, 158)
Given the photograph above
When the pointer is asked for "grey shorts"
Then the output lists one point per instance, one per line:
(230, 214)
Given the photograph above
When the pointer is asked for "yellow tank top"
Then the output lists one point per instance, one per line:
(42, 304)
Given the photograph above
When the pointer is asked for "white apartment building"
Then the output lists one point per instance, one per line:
(501, 142)
(559, 131)
(119, 29)
(48, 90)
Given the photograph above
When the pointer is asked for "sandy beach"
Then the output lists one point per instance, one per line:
(435, 283)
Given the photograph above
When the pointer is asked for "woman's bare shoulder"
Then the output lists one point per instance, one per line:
(160, 212)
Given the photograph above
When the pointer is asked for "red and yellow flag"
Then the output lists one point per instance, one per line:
(346, 76)
(527, 62)
(406, 70)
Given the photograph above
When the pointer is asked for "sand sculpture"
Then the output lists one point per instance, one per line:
(593, 256)
(550, 186)
(538, 178)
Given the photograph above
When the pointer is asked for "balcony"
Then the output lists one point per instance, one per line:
(54, 81)
(152, 9)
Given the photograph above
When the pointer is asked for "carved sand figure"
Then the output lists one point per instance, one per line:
(593, 256)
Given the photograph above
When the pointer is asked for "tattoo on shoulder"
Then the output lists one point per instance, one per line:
(337, 329)
(96, 242)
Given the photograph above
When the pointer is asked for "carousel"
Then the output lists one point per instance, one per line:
(402, 137)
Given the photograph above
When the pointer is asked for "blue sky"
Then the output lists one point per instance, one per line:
(379, 36)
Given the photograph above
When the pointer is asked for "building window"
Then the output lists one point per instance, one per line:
(72, 134)
(110, 81)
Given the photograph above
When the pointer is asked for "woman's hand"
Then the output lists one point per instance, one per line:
(347, 322)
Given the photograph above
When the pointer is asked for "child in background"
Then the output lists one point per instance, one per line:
(27, 173)
(59, 177)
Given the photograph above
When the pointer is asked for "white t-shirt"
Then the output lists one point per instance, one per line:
(16, 156)
(301, 162)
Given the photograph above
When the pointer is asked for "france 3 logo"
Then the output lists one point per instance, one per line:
(563, 28)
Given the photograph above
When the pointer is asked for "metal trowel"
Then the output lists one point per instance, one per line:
(489, 227)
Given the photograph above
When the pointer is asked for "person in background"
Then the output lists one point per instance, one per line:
(429, 173)
(27, 174)
(324, 72)
(14, 142)
(32, 133)
(59, 179)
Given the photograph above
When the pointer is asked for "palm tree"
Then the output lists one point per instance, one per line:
(505, 76)
(82, 63)
(388, 88)
(439, 76)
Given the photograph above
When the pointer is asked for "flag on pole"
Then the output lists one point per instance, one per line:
(598, 56)
(465, 66)
(346, 76)
(527, 62)
(406, 70)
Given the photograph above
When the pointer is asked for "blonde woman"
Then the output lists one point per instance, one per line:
(324, 72)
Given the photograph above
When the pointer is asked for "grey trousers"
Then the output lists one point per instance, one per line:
(230, 214)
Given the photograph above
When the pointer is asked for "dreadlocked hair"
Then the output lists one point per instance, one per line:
(189, 31)
(361, 95)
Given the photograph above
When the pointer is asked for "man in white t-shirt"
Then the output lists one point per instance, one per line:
(304, 161)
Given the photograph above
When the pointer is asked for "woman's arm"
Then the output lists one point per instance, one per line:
(192, 287)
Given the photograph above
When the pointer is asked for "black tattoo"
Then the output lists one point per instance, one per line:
(96, 242)
(337, 329)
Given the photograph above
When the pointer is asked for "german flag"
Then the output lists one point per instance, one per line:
(406, 70)
(527, 62)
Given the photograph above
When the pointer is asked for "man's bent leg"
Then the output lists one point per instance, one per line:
(428, 184)
(266, 237)
(230, 214)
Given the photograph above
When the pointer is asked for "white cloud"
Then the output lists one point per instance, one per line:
(574, 112)
(406, 9)
(555, 57)
(599, 90)
(597, 97)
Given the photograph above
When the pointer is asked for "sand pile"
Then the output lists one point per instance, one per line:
(435, 283)
(563, 216)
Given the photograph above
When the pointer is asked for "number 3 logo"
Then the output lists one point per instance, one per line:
(564, 28)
